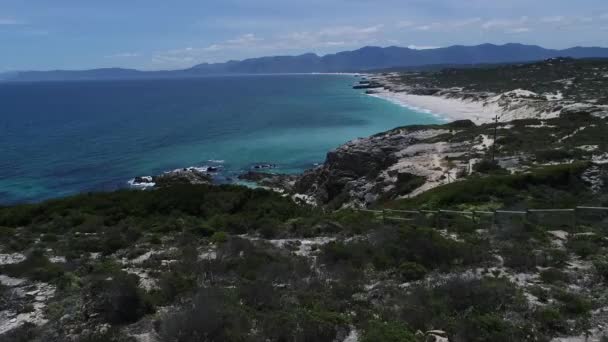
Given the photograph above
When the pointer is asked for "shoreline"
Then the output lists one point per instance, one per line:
(447, 109)
(452, 104)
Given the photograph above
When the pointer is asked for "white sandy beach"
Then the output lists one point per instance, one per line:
(444, 108)
(451, 109)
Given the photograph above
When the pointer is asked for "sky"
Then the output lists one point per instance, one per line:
(174, 34)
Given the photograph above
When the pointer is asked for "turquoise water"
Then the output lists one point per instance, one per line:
(60, 138)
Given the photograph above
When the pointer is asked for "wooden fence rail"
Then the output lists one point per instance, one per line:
(574, 217)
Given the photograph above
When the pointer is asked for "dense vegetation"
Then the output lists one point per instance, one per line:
(586, 78)
(389, 281)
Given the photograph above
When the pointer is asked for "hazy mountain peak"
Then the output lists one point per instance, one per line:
(365, 58)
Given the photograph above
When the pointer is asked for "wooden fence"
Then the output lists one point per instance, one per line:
(567, 218)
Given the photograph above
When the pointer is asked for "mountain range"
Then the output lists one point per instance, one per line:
(364, 59)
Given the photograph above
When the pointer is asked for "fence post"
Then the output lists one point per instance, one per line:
(474, 218)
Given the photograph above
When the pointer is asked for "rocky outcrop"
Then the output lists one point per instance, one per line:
(388, 164)
(182, 176)
(270, 180)
(189, 175)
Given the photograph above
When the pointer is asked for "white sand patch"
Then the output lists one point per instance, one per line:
(588, 148)
(145, 280)
(300, 247)
(542, 125)
(10, 281)
(353, 336)
(208, 255)
(554, 97)
(302, 198)
(512, 105)
(140, 259)
(58, 259)
(486, 142)
(600, 159)
(559, 237)
(10, 320)
(8, 259)
(444, 108)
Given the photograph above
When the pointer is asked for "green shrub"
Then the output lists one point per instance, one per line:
(118, 299)
(411, 271)
(585, 245)
(488, 327)
(601, 268)
(212, 316)
(391, 331)
(573, 304)
(553, 275)
(219, 237)
(25, 333)
(487, 166)
(550, 319)
(36, 267)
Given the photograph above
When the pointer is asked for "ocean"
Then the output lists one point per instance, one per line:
(61, 138)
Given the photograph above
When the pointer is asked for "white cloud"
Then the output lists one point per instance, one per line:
(554, 19)
(498, 24)
(252, 45)
(448, 25)
(123, 55)
(429, 27)
(350, 31)
(9, 21)
(519, 30)
(422, 47)
(245, 39)
(405, 24)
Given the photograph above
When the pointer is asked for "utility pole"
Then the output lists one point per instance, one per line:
(495, 136)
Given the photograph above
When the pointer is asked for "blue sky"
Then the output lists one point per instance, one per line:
(170, 34)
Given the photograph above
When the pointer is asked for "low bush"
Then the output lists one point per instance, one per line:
(213, 315)
(553, 276)
(219, 237)
(411, 271)
(391, 331)
(36, 267)
(118, 299)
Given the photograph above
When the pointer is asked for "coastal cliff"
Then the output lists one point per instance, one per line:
(539, 127)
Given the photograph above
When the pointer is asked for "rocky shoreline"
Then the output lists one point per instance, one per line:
(408, 161)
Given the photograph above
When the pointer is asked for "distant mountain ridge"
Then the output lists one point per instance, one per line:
(364, 59)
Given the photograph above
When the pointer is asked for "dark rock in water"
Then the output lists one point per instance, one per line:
(271, 180)
(142, 180)
(264, 166)
(253, 176)
(182, 176)
(212, 169)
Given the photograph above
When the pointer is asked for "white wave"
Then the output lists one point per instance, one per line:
(142, 185)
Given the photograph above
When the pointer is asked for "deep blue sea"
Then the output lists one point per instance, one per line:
(61, 138)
